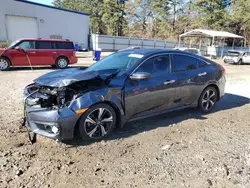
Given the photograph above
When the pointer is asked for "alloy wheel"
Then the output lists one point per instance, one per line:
(98, 123)
(62, 63)
(3, 64)
(209, 99)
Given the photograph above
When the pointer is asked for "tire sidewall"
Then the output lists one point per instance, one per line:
(83, 135)
(201, 97)
(7, 62)
(57, 63)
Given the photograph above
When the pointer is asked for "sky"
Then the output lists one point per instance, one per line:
(46, 2)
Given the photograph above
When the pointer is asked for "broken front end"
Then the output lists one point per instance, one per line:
(51, 111)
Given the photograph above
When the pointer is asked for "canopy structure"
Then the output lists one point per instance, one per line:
(212, 35)
(209, 34)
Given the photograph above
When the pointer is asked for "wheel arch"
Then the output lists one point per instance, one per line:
(212, 85)
(112, 105)
(7, 58)
(63, 57)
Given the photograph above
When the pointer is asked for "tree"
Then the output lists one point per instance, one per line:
(240, 18)
(213, 14)
(113, 17)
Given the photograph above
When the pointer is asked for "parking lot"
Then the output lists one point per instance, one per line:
(180, 149)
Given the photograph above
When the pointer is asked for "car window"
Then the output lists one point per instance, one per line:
(156, 65)
(43, 45)
(27, 45)
(182, 63)
(53, 45)
(65, 45)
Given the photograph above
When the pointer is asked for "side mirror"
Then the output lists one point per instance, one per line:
(140, 76)
(19, 49)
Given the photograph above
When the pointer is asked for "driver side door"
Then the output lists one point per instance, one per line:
(153, 94)
(23, 56)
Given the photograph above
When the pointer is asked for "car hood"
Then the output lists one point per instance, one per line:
(69, 76)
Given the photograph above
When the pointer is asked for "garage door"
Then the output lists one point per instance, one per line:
(21, 27)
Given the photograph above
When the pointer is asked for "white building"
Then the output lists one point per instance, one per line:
(24, 19)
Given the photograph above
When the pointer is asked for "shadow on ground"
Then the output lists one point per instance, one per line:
(229, 101)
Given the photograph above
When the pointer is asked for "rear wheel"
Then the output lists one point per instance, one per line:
(208, 99)
(97, 122)
(61, 63)
(4, 64)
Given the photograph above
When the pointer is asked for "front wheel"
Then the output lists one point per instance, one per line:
(208, 99)
(4, 64)
(62, 63)
(97, 122)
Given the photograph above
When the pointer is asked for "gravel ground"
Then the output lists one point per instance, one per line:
(180, 149)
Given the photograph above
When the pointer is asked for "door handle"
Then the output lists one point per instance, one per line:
(169, 82)
(32, 52)
(54, 52)
(202, 74)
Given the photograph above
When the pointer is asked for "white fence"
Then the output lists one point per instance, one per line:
(114, 43)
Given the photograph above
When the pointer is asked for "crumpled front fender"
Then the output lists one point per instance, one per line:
(109, 95)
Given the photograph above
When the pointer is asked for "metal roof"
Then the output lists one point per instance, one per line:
(52, 7)
(209, 33)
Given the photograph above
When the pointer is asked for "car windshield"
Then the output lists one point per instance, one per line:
(233, 54)
(120, 61)
(12, 44)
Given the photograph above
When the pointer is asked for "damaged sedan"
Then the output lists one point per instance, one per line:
(125, 86)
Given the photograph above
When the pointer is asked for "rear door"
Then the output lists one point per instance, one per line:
(190, 79)
(65, 49)
(44, 53)
(152, 94)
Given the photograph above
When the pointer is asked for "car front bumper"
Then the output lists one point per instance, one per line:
(58, 124)
(55, 124)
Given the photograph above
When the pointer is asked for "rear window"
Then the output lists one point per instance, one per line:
(65, 45)
(182, 63)
(43, 45)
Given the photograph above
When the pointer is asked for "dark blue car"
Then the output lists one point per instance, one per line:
(127, 85)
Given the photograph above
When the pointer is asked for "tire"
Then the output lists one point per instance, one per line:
(92, 126)
(240, 62)
(208, 99)
(62, 63)
(4, 64)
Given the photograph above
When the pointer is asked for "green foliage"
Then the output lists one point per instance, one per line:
(213, 14)
(163, 19)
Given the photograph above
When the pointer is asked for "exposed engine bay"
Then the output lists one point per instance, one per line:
(58, 97)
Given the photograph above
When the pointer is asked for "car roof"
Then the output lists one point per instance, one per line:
(236, 51)
(149, 51)
(40, 39)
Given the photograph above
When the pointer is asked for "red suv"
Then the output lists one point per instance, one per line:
(31, 52)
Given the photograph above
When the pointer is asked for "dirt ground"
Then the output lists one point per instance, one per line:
(180, 149)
